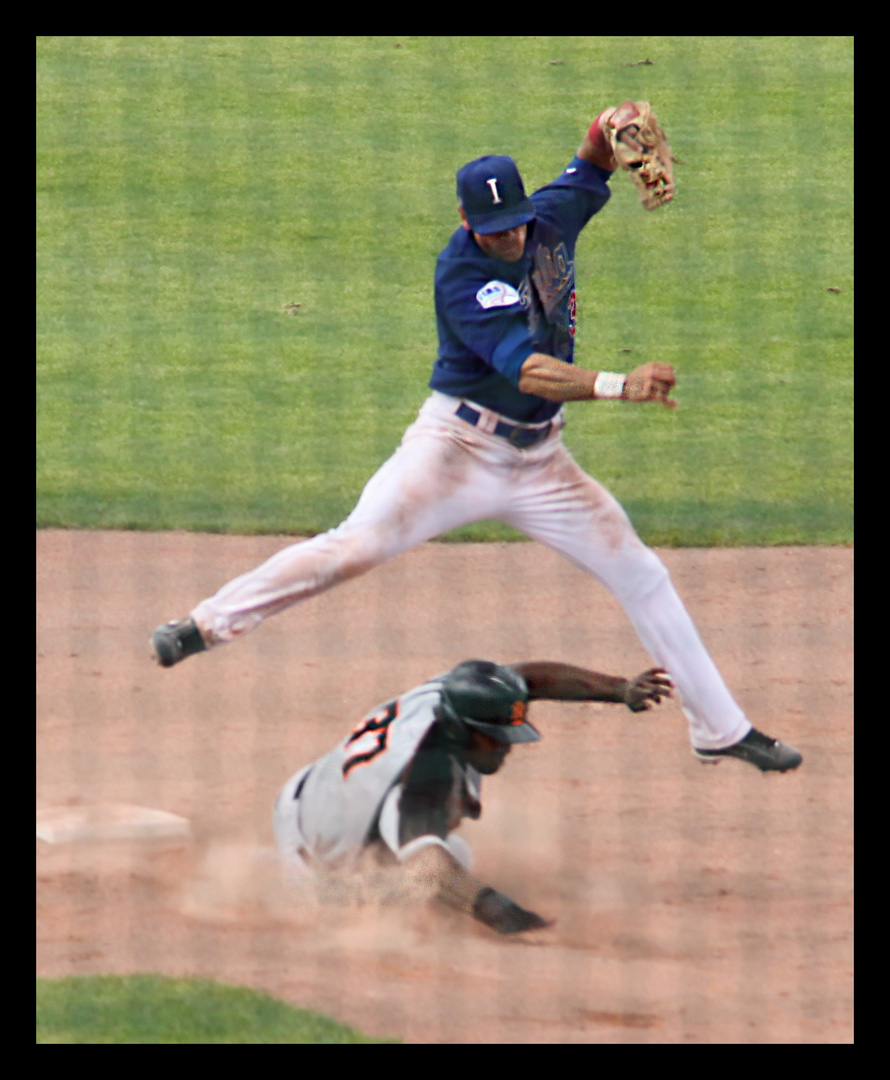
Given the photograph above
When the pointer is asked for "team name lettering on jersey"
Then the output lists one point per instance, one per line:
(497, 294)
(553, 272)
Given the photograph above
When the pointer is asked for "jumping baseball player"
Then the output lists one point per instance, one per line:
(398, 786)
(487, 443)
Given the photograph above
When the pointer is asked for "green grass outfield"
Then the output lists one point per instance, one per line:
(148, 1009)
(189, 189)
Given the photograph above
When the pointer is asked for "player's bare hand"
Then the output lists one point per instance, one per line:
(652, 382)
(648, 689)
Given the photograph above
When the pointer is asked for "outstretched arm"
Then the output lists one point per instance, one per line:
(553, 681)
(440, 875)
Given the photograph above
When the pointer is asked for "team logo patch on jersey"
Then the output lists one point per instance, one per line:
(497, 294)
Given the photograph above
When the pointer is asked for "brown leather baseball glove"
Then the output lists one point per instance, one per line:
(640, 147)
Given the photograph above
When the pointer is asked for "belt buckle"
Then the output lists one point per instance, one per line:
(524, 437)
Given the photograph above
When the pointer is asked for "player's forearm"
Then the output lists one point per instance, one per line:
(552, 681)
(552, 379)
(444, 878)
(555, 380)
(440, 875)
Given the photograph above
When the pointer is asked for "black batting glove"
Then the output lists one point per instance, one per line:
(502, 915)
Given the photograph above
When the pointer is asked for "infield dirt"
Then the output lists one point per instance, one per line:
(692, 903)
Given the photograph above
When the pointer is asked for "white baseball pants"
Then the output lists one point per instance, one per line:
(447, 473)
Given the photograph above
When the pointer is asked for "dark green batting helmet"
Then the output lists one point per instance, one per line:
(488, 697)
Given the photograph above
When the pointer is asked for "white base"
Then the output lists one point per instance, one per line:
(110, 821)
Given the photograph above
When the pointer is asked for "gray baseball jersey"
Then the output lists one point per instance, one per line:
(394, 781)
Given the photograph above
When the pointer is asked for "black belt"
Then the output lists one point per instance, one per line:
(519, 435)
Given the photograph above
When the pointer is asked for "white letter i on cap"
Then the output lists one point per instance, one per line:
(493, 184)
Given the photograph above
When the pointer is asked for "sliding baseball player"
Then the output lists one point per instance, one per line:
(396, 789)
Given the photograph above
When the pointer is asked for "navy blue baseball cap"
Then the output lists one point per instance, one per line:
(492, 194)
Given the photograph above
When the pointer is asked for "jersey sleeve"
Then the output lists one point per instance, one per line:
(424, 801)
(430, 800)
(455, 845)
(570, 201)
(390, 828)
(489, 317)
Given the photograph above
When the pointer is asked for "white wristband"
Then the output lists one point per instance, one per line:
(609, 384)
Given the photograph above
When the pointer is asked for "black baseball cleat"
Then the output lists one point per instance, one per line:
(174, 641)
(768, 755)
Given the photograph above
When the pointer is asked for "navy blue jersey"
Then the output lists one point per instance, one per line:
(492, 315)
